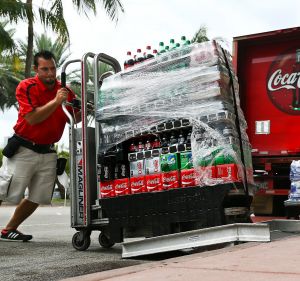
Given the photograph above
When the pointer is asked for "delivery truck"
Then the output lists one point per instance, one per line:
(268, 69)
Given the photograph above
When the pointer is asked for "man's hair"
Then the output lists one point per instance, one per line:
(47, 55)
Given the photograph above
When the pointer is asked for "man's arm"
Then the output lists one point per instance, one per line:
(39, 114)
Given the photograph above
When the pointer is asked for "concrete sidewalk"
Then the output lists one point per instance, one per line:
(277, 260)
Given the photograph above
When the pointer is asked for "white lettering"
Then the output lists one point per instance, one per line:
(287, 81)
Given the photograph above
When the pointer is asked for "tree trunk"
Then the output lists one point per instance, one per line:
(29, 55)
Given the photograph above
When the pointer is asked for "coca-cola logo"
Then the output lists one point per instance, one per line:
(283, 82)
(170, 179)
(121, 186)
(188, 177)
(153, 181)
(106, 187)
(137, 183)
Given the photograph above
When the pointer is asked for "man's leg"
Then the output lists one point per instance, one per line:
(22, 212)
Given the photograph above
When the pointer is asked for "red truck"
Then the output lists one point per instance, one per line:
(268, 69)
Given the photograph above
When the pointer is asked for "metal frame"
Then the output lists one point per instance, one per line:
(239, 232)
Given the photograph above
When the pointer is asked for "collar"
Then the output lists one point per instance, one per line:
(42, 85)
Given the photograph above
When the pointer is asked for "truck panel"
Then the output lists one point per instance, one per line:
(268, 76)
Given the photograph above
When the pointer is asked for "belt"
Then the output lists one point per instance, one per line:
(39, 148)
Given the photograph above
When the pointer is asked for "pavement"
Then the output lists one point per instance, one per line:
(276, 260)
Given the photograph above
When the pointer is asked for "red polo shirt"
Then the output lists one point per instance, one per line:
(32, 93)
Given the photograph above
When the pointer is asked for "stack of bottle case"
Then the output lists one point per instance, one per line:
(171, 122)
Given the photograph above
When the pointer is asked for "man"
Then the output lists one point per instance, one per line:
(31, 157)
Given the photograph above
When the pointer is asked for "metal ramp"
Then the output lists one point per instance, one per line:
(238, 232)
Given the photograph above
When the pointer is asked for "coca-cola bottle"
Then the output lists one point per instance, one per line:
(129, 60)
(139, 56)
(296, 91)
(149, 55)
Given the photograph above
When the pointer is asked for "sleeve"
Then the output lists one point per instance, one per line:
(26, 98)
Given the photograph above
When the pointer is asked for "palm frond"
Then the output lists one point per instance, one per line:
(55, 19)
(14, 10)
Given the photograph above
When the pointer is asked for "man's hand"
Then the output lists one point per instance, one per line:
(61, 95)
(39, 114)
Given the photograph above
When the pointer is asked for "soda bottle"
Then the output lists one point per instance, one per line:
(139, 56)
(181, 139)
(129, 60)
(132, 147)
(148, 145)
(167, 48)
(172, 44)
(183, 40)
(156, 143)
(141, 146)
(154, 53)
(149, 55)
(296, 91)
(161, 48)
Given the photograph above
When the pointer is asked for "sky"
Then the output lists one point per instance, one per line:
(147, 22)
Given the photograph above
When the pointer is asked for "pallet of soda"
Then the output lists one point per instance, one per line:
(173, 121)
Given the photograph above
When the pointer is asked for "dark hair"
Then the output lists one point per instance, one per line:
(47, 55)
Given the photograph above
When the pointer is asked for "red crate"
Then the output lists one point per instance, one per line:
(138, 184)
(107, 189)
(187, 177)
(154, 182)
(170, 180)
(122, 186)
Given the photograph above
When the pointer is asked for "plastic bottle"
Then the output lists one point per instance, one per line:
(161, 48)
(183, 40)
(172, 44)
(149, 54)
(129, 60)
(154, 52)
(139, 56)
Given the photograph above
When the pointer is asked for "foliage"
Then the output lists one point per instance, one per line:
(200, 35)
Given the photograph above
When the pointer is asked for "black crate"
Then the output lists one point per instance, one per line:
(160, 210)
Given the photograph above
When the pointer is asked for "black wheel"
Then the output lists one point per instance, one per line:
(104, 241)
(80, 241)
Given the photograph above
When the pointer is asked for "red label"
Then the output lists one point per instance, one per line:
(107, 189)
(154, 182)
(187, 178)
(122, 186)
(228, 173)
(137, 184)
(170, 180)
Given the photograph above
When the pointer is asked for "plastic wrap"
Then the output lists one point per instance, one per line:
(192, 88)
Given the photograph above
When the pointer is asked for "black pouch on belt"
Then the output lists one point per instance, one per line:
(11, 148)
(60, 166)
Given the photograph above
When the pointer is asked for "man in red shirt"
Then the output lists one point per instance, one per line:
(30, 152)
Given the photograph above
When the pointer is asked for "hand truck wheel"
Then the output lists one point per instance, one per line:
(104, 241)
(80, 241)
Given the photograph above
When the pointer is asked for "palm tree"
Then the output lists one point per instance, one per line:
(10, 67)
(44, 42)
(200, 35)
(53, 17)
(6, 42)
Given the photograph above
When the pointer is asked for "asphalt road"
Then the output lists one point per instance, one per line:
(50, 255)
